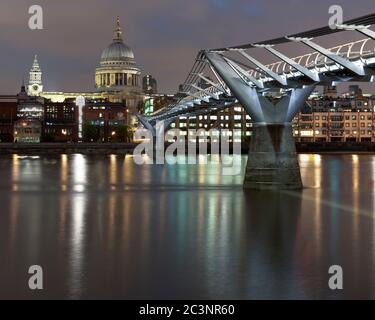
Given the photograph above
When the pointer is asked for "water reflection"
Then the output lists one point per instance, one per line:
(104, 227)
(77, 239)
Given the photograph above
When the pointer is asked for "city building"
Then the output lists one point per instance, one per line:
(342, 120)
(60, 121)
(232, 121)
(108, 119)
(155, 102)
(27, 131)
(330, 92)
(30, 113)
(29, 106)
(33, 119)
(102, 119)
(8, 115)
(149, 85)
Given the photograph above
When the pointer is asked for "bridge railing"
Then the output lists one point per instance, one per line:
(362, 49)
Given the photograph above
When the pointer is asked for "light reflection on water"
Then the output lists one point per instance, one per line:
(103, 227)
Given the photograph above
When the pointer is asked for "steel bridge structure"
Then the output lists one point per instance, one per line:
(223, 77)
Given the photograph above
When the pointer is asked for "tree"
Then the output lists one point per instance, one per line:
(90, 133)
(6, 137)
(48, 137)
(124, 133)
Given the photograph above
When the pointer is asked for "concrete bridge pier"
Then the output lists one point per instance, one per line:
(272, 161)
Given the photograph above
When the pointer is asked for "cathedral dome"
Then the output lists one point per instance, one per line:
(117, 51)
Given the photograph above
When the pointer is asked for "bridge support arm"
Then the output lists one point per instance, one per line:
(312, 75)
(244, 74)
(265, 69)
(246, 95)
(218, 87)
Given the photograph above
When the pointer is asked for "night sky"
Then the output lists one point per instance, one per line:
(165, 35)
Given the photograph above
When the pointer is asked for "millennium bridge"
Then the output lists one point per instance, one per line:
(241, 78)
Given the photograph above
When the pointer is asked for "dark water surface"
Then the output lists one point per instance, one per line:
(103, 227)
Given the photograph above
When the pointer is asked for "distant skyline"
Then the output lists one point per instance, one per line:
(165, 35)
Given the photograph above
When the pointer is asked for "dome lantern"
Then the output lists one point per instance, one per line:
(118, 32)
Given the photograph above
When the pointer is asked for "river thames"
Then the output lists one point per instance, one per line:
(103, 227)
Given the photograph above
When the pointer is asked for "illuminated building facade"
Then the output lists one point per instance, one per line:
(103, 118)
(60, 121)
(226, 121)
(30, 113)
(107, 119)
(342, 120)
(27, 131)
(29, 107)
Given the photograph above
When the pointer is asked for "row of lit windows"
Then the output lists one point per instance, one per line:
(340, 125)
(336, 118)
(311, 133)
(321, 103)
